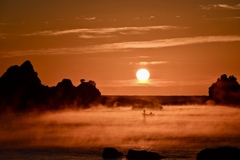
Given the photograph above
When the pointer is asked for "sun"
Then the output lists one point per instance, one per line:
(142, 75)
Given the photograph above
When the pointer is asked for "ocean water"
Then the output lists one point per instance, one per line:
(176, 132)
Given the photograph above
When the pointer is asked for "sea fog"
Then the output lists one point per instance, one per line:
(177, 132)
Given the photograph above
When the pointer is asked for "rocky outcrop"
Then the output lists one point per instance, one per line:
(111, 153)
(221, 153)
(143, 155)
(21, 90)
(226, 91)
(20, 86)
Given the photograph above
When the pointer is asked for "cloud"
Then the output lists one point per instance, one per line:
(144, 63)
(3, 24)
(229, 6)
(86, 36)
(151, 17)
(126, 46)
(134, 83)
(152, 83)
(220, 6)
(90, 18)
(2, 36)
(102, 31)
(165, 43)
(224, 18)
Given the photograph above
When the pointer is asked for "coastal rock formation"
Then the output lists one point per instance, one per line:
(226, 91)
(143, 155)
(221, 153)
(22, 90)
(111, 153)
(19, 86)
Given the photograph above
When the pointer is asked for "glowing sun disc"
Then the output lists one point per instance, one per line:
(142, 74)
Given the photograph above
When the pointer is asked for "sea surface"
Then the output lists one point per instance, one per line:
(176, 132)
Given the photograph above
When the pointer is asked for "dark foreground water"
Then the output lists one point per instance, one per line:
(75, 154)
(177, 132)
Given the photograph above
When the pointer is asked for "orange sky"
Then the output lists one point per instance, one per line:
(186, 45)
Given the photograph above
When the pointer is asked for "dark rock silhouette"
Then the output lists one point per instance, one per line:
(87, 92)
(143, 155)
(225, 91)
(221, 153)
(20, 86)
(21, 90)
(111, 153)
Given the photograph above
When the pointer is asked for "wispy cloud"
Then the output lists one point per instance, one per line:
(102, 31)
(152, 83)
(145, 63)
(134, 82)
(224, 18)
(90, 18)
(155, 82)
(3, 24)
(127, 46)
(2, 36)
(220, 6)
(165, 43)
(151, 17)
(88, 36)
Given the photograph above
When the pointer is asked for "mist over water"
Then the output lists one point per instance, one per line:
(174, 130)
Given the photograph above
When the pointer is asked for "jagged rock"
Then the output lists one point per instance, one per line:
(18, 77)
(87, 92)
(20, 86)
(21, 90)
(111, 153)
(225, 91)
(221, 153)
(143, 155)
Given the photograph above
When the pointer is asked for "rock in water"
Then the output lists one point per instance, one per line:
(110, 153)
(142, 155)
(221, 153)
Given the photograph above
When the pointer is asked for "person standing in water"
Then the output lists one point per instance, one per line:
(144, 112)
